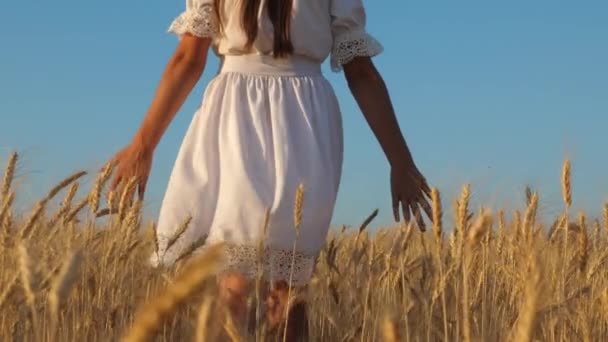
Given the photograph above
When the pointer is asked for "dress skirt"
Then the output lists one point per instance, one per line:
(265, 127)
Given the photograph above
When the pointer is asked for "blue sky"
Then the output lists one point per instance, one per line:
(495, 94)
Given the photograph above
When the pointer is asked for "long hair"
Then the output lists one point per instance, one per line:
(279, 12)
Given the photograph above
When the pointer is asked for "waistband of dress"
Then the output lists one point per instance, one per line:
(268, 65)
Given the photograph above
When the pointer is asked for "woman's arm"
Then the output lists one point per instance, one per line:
(371, 94)
(181, 74)
(179, 78)
(407, 183)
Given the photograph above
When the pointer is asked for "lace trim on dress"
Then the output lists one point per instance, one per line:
(351, 45)
(275, 264)
(200, 22)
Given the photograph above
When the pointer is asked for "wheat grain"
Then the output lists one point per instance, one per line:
(77, 208)
(479, 228)
(597, 234)
(101, 180)
(437, 214)
(65, 204)
(34, 216)
(566, 184)
(7, 180)
(61, 185)
(178, 233)
(126, 198)
(299, 204)
(583, 248)
(5, 209)
(530, 216)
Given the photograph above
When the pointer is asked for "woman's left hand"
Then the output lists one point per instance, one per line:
(408, 190)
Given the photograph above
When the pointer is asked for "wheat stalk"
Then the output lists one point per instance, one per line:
(583, 244)
(597, 234)
(528, 311)
(62, 283)
(389, 330)
(28, 281)
(530, 216)
(202, 322)
(101, 180)
(65, 204)
(437, 214)
(297, 219)
(566, 185)
(8, 289)
(299, 204)
(180, 231)
(151, 315)
(5, 209)
(72, 214)
(126, 197)
(9, 174)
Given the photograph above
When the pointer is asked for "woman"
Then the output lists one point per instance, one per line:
(269, 121)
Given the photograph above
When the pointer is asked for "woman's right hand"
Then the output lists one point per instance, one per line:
(132, 162)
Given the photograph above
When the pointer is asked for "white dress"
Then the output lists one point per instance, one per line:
(264, 127)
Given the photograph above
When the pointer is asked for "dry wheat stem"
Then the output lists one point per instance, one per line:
(297, 219)
(605, 216)
(151, 315)
(528, 311)
(389, 330)
(63, 282)
(25, 232)
(8, 289)
(202, 322)
(28, 281)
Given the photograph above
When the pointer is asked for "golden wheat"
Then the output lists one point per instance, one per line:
(155, 312)
(511, 282)
(8, 177)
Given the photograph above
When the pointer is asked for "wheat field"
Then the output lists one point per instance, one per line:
(494, 276)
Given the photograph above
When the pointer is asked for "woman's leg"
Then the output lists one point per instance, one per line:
(234, 290)
(281, 312)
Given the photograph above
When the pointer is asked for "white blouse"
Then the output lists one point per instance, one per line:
(319, 28)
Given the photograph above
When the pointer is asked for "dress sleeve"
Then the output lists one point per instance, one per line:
(350, 38)
(199, 19)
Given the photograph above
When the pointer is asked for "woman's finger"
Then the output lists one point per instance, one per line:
(418, 217)
(141, 187)
(116, 181)
(425, 187)
(395, 205)
(426, 206)
(405, 207)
